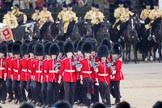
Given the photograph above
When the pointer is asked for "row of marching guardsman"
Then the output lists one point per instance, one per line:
(74, 71)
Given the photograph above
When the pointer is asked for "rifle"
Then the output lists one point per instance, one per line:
(57, 65)
(76, 63)
(93, 64)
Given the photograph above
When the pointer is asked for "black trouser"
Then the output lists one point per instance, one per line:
(115, 90)
(105, 93)
(70, 28)
(155, 24)
(87, 91)
(78, 93)
(2, 90)
(37, 91)
(44, 92)
(22, 90)
(96, 27)
(29, 89)
(62, 92)
(9, 88)
(96, 94)
(123, 26)
(56, 92)
(16, 89)
(50, 93)
(69, 88)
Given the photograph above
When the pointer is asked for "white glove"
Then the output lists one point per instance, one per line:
(113, 72)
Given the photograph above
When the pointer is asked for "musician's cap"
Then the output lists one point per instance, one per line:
(116, 49)
(148, 3)
(126, 6)
(3, 47)
(102, 51)
(107, 43)
(75, 44)
(37, 8)
(86, 47)
(156, 4)
(9, 9)
(61, 46)
(9, 45)
(79, 45)
(93, 4)
(54, 49)
(38, 49)
(24, 49)
(45, 5)
(16, 5)
(47, 47)
(68, 46)
(120, 2)
(64, 5)
(97, 6)
(70, 5)
(16, 48)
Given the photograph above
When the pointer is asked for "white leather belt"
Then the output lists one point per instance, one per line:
(29, 71)
(24, 70)
(87, 72)
(102, 74)
(9, 69)
(69, 70)
(52, 71)
(38, 71)
(15, 70)
(2, 68)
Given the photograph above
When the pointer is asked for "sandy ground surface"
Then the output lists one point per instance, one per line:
(142, 86)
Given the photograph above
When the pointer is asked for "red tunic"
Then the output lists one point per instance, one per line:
(9, 67)
(2, 68)
(68, 71)
(119, 75)
(37, 70)
(16, 68)
(104, 73)
(24, 69)
(86, 70)
(45, 70)
(30, 69)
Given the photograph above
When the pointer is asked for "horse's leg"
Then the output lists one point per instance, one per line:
(129, 53)
(159, 50)
(135, 53)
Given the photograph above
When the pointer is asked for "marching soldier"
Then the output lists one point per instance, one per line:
(72, 19)
(3, 52)
(24, 71)
(9, 19)
(155, 16)
(63, 16)
(45, 16)
(116, 73)
(117, 13)
(88, 15)
(103, 75)
(86, 73)
(145, 13)
(45, 71)
(53, 66)
(9, 71)
(36, 14)
(39, 52)
(16, 68)
(68, 72)
(20, 16)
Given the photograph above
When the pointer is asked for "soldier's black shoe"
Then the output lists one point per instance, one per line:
(16, 101)
(3, 102)
(43, 106)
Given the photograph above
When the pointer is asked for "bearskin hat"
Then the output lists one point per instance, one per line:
(3, 47)
(79, 45)
(46, 48)
(24, 49)
(102, 51)
(68, 46)
(87, 47)
(61, 46)
(107, 43)
(93, 43)
(16, 48)
(116, 49)
(38, 49)
(54, 49)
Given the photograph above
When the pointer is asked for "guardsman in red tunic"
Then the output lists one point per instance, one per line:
(86, 73)
(9, 71)
(3, 52)
(16, 68)
(68, 72)
(31, 72)
(53, 66)
(116, 72)
(38, 50)
(103, 75)
(24, 70)
(45, 70)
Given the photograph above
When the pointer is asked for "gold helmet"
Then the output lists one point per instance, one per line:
(15, 10)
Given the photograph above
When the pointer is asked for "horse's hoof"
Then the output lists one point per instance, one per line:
(151, 58)
(146, 59)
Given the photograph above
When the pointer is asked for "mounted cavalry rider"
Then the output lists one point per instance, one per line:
(63, 16)
(88, 15)
(97, 19)
(36, 14)
(145, 14)
(9, 19)
(21, 17)
(45, 16)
